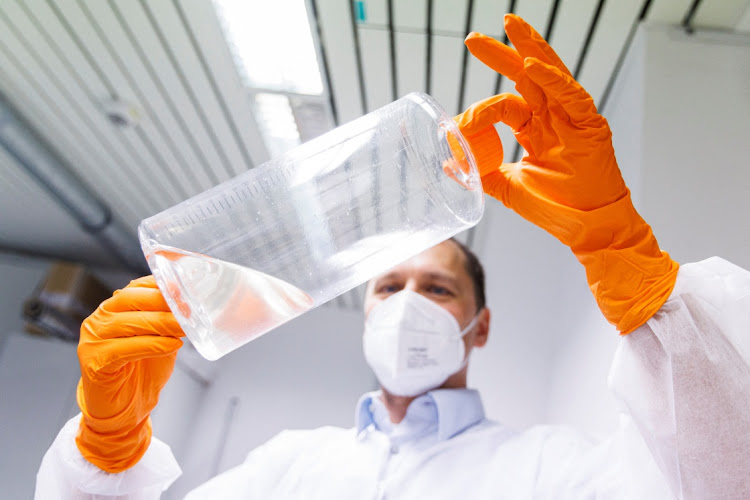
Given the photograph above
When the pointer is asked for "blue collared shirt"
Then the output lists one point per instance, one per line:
(437, 415)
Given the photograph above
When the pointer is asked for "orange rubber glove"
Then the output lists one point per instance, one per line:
(127, 351)
(569, 183)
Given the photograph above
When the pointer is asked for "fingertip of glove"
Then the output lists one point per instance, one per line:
(475, 38)
(511, 19)
(144, 281)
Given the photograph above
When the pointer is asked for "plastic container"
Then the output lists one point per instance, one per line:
(254, 252)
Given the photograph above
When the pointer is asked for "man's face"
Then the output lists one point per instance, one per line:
(440, 275)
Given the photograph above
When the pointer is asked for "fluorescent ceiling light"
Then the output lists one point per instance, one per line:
(272, 44)
(277, 123)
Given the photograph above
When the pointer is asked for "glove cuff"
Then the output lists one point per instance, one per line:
(111, 450)
(630, 277)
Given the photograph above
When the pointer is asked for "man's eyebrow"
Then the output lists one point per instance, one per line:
(391, 275)
(443, 277)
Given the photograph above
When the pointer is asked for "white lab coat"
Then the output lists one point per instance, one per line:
(683, 380)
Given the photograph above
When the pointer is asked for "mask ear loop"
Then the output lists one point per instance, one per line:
(466, 330)
(471, 325)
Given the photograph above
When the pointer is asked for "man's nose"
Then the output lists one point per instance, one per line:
(412, 286)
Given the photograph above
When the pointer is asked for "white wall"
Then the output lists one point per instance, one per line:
(38, 378)
(307, 373)
(529, 275)
(697, 152)
(37, 381)
(680, 115)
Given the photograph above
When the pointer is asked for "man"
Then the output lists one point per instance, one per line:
(681, 372)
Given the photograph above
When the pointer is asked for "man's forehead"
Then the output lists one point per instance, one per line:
(444, 260)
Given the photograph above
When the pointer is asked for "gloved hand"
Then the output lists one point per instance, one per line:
(127, 351)
(569, 183)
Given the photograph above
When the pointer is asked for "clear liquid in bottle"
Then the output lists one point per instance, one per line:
(223, 305)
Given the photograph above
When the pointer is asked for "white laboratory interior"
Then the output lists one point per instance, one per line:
(111, 112)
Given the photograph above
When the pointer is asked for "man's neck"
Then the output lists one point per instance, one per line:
(398, 405)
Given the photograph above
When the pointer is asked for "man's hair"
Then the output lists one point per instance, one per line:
(476, 273)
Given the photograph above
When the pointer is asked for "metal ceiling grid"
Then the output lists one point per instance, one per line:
(105, 42)
(185, 57)
(62, 60)
(83, 89)
(47, 108)
(208, 37)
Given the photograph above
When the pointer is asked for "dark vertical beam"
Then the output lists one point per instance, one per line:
(428, 52)
(499, 80)
(551, 21)
(687, 21)
(358, 54)
(623, 53)
(589, 37)
(392, 40)
(465, 59)
(324, 61)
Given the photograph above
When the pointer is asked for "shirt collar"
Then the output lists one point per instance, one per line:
(455, 410)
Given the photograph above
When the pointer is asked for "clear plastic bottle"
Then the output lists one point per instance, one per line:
(256, 251)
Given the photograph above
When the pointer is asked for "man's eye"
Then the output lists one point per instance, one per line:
(439, 290)
(388, 289)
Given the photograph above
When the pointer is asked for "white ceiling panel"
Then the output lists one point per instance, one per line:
(81, 87)
(449, 16)
(376, 66)
(411, 62)
(537, 13)
(73, 146)
(102, 88)
(25, 79)
(744, 23)
(339, 45)
(571, 25)
(719, 14)
(163, 99)
(608, 40)
(668, 11)
(411, 15)
(487, 17)
(209, 38)
(148, 63)
(480, 81)
(132, 84)
(374, 12)
(174, 34)
(446, 71)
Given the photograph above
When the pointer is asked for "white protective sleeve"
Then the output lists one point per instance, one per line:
(66, 475)
(684, 379)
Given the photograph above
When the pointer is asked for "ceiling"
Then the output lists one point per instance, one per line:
(165, 63)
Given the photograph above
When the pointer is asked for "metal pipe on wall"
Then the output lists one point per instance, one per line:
(93, 215)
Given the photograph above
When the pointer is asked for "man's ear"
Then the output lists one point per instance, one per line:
(483, 328)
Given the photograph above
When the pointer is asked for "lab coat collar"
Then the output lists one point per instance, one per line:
(455, 410)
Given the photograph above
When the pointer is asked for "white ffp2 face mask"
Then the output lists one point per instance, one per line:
(412, 344)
